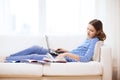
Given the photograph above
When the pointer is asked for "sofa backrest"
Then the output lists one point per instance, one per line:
(97, 51)
(11, 44)
(65, 41)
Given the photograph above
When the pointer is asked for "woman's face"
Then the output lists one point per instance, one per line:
(91, 31)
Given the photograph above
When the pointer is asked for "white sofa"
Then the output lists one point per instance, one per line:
(99, 69)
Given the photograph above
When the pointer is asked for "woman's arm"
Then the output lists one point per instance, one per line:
(70, 55)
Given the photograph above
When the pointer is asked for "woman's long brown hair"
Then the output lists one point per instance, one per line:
(97, 24)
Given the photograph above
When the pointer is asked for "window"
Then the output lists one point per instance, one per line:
(20, 17)
(34, 17)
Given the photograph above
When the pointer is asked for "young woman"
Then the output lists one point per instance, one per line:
(82, 53)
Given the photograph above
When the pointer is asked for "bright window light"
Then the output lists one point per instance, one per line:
(34, 17)
(25, 16)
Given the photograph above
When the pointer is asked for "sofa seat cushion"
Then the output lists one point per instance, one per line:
(20, 70)
(73, 69)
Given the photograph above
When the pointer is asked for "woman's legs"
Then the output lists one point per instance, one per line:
(25, 58)
(31, 50)
(35, 53)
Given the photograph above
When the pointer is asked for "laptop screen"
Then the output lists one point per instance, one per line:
(47, 43)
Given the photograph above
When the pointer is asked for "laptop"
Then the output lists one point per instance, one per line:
(54, 53)
(51, 51)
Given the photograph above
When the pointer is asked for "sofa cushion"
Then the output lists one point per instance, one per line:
(72, 69)
(20, 69)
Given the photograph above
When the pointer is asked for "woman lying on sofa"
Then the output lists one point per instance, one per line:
(82, 53)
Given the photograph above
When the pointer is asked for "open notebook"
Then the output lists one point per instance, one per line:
(48, 58)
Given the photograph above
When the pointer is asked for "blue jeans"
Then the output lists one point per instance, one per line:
(34, 52)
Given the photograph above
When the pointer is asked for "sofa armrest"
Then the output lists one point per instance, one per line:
(106, 61)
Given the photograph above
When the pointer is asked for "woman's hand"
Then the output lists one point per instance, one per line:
(61, 50)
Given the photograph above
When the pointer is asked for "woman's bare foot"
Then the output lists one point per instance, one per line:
(2, 59)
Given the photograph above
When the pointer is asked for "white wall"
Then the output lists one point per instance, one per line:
(109, 12)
